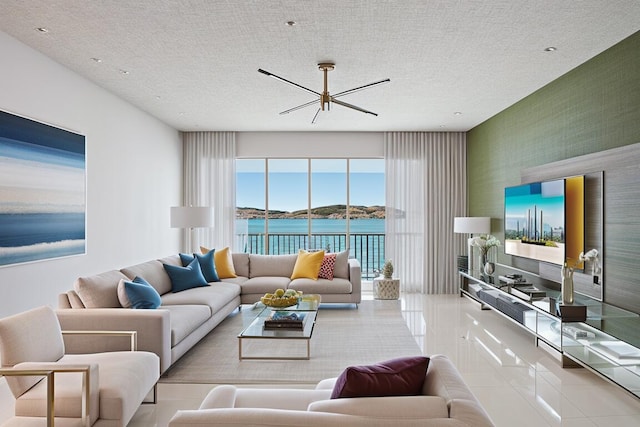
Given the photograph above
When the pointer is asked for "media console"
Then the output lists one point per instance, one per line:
(605, 339)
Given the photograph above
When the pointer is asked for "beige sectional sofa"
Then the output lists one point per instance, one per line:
(185, 317)
(445, 400)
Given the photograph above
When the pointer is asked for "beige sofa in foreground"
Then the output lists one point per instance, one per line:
(446, 401)
(185, 317)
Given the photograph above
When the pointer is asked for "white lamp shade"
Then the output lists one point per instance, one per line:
(191, 216)
(472, 225)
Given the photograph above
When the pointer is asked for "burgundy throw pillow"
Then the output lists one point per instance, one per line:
(397, 377)
(326, 269)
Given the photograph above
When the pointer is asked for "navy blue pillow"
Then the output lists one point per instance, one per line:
(183, 278)
(141, 294)
(207, 265)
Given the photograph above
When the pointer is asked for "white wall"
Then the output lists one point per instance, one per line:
(134, 174)
(310, 144)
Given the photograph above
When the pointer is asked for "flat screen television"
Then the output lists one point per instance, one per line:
(544, 221)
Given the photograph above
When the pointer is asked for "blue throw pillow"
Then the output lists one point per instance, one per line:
(183, 278)
(141, 294)
(207, 265)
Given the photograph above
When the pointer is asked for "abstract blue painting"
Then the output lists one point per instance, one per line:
(42, 191)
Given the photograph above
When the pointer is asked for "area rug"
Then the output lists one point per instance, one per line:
(343, 336)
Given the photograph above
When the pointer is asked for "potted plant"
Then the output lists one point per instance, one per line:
(387, 269)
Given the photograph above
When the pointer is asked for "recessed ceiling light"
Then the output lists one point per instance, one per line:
(290, 23)
(124, 72)
(457, 113)
(42, 30)
(98, 60)
(550, 49)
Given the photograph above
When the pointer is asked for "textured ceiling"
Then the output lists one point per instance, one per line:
(193, 63)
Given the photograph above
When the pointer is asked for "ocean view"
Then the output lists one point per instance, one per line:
(287, 236)
(318, 225)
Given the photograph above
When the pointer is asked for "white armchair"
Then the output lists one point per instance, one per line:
(96, 389)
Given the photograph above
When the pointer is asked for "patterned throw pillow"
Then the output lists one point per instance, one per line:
(326, 269)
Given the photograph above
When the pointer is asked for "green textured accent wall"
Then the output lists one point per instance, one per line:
(594, 107)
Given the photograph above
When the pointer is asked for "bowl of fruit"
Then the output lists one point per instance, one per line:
(281, 298)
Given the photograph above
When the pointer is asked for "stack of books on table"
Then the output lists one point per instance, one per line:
(279, 319)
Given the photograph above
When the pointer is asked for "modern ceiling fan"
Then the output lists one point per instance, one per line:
(325, 98)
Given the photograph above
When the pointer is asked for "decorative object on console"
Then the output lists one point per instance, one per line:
(191, 217)
(471, 225)
(485, 243)
(567, 288)
(387, 269)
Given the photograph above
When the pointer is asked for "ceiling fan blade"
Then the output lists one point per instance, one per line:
(260, 70)
(353, 107)
(315, 101)
(359, 88)
(313, 122)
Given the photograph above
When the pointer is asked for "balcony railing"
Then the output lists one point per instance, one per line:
(366, 248)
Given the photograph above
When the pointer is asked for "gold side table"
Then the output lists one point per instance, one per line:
(386, 288)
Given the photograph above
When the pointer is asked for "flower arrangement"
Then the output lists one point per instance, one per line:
(484, 242)
(591, 255)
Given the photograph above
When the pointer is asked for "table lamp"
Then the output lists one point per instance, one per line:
(191, 217)
(471, 225)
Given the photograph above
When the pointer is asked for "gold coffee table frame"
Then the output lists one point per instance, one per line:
(308, 304)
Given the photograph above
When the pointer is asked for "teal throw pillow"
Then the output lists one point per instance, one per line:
(183, 278)
(207, 264)
(141, 294)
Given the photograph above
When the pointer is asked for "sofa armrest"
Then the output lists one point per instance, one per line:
(153, 329)
(355, 276)
(90, 385)
(133, 336)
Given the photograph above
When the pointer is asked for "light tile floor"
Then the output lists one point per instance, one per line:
(517, 382)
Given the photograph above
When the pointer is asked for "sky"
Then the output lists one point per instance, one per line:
(288, 190)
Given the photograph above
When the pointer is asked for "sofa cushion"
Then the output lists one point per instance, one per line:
(207, 264)
(307, 264)
(326, 269)
(224, 262)
(322, 286)
(397, 377)
(185, 319)
(404, 407)
(341, 269)
(262, 285)
(241, 263)
(214, 296)
(138, 294)
(271, 265)
(100, 290)
(153, 272)
(183, 278)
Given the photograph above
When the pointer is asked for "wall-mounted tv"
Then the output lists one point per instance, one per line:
(544, 221)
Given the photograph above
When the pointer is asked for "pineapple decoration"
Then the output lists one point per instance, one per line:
(387, 269)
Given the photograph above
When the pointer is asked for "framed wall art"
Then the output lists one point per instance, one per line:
(42, 191)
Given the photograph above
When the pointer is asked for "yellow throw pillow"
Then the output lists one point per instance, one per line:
(307, 265)
(224, 262)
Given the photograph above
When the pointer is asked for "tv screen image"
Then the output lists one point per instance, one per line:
(534, 221)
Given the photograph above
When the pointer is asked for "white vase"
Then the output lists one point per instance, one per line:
(566, 290)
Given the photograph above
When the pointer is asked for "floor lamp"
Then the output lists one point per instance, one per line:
(471, 225)
(191, 217)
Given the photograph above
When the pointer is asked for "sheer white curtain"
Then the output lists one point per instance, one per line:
(209, 169)
(425, 189)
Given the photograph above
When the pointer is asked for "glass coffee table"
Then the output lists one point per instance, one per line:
(308, 305)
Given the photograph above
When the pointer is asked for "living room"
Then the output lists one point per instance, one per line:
(134, 159)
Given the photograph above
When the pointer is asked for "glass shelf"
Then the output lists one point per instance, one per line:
(607, 342)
